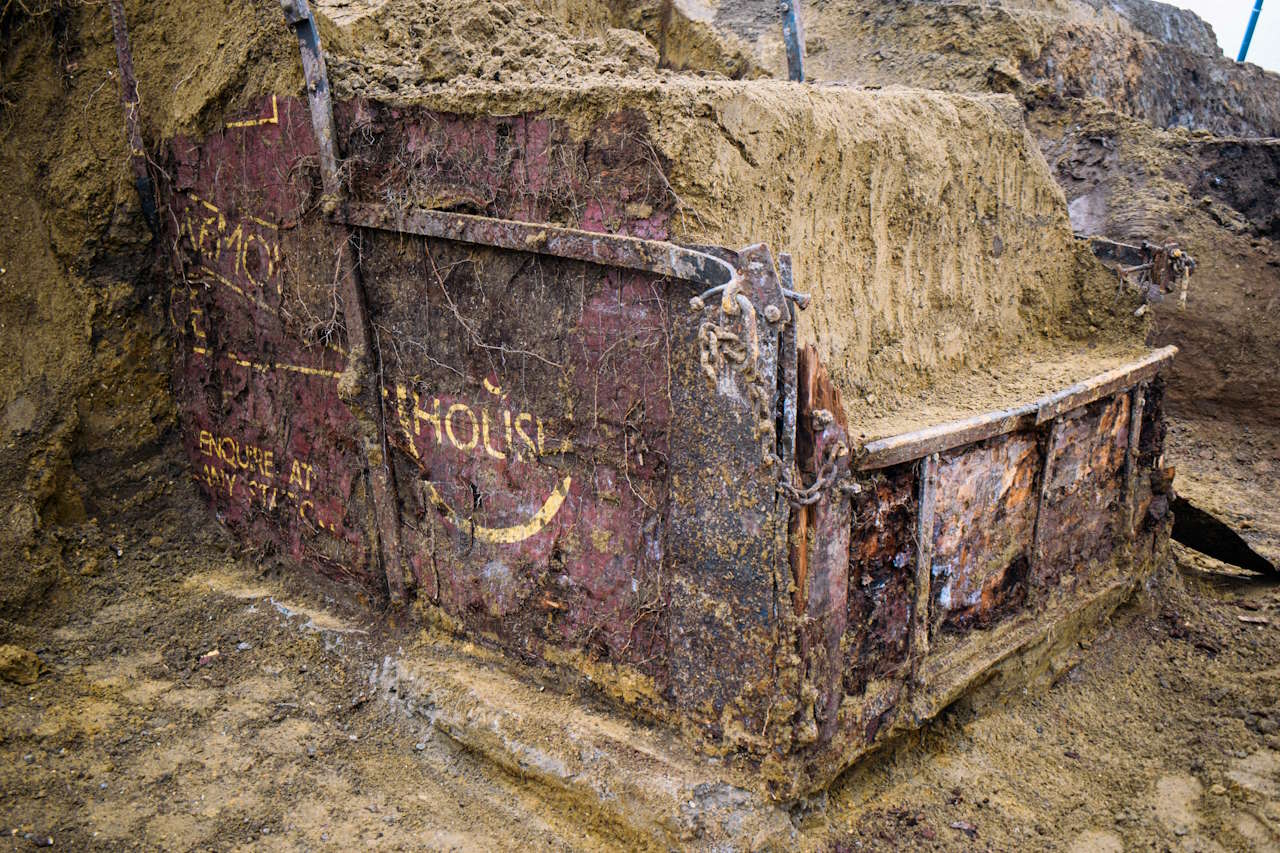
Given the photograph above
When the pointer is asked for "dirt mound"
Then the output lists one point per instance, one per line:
(1110, 91)
(1216, 198)
(925, 225)
(1147, 60)
(84, 398)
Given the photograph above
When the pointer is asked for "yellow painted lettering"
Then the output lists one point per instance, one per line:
(432, 417)
(484, 427)
(453, 437)
(520, 430)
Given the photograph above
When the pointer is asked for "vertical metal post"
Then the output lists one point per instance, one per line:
(924, 559)
(1248, 31)
(360, 386)
(1037, 531)
(1137, 399)
(793, 39)
(129, 97)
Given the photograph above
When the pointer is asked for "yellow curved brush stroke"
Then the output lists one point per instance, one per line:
(507, 535)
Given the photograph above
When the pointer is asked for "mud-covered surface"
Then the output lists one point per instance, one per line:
(187, 695)
(190, 698)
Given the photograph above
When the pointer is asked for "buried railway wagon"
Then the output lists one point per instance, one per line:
(605, 452)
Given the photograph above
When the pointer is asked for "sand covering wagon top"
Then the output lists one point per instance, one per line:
(638, 379)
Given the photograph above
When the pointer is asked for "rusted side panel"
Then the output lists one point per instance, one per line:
(261, 346)
(984, 523)
(881, 595)
(524, 167)
(1083, 505)
(530, 424)
(1154, 483)
(727, 537)
(824, 594)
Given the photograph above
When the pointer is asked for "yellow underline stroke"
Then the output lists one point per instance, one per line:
(249, 216)
(221, 279)
(267, 367)
(274, 118)
(507, 535)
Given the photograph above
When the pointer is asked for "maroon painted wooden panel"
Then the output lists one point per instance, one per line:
(257, 372)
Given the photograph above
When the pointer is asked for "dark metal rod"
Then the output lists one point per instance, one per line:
(129, 97)
(793, 39)
(361, 386)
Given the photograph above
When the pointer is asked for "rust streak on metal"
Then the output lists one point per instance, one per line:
(1037, 527)
(1103, 385)
(924, 557)
(653, 256)
(1137, 400)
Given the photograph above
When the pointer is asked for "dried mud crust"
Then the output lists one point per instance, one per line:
(925, 225)
(1022, 376)
(1160, 732)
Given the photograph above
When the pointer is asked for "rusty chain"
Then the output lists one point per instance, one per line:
(719, 347)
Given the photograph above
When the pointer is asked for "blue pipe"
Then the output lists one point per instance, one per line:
(1248, 31)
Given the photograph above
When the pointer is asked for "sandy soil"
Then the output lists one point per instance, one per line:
(192, 698)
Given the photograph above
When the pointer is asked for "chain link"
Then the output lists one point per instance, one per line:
(719, 347)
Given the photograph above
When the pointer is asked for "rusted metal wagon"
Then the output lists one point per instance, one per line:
(604, 452)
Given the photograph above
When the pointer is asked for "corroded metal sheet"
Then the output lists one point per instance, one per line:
(984, 522)
(727, 537)
(257, 371)
(1083, 504)
(882, 563)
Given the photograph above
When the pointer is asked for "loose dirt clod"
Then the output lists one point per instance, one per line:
(19, 665)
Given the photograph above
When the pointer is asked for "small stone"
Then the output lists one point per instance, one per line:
(1217, 789)
(420, 745)
(1268, 726)
(155, 541)
(29, 758)
(19, 665)
(243, 647)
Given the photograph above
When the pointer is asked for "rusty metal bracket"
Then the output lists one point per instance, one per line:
(129, 97)
(360, 386)
(1152, 268)
(614, 250)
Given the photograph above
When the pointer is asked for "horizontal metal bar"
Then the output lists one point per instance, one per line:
(895, 449)
(653, 256)
(1103, 385)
